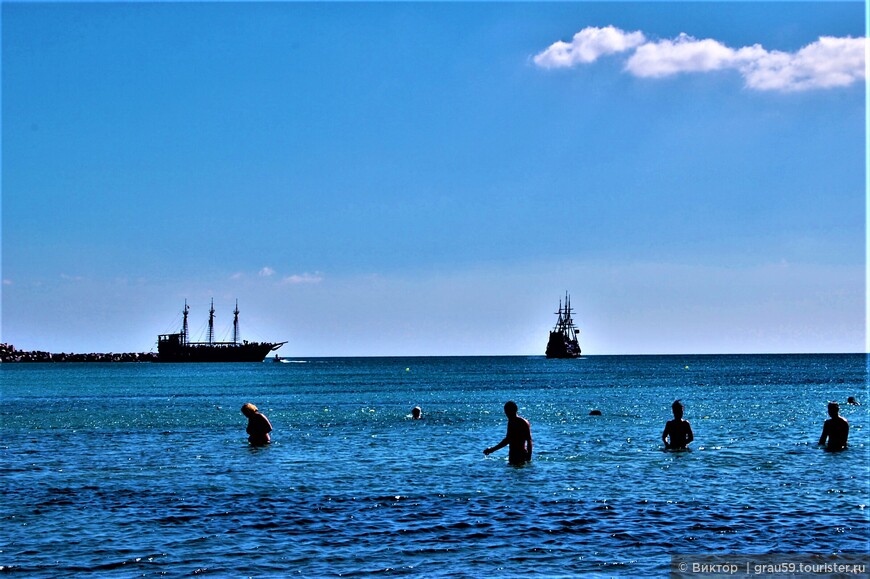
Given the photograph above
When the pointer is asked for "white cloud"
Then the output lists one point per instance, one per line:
(267, 272)
(687, 54)
(294, 279)
(7, 282)
(827, 63)
(587, 46)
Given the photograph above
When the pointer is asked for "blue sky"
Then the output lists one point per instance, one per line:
(430, 178)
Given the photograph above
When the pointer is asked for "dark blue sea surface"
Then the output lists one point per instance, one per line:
(145, 469)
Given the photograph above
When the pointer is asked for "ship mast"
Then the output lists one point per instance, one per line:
(236, 324)
(558, 327)
(211, 323)
(569, 321)
(563, 319)
(184, 331)
(565, 323)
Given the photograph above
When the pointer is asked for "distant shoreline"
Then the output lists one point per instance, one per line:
(8, 354)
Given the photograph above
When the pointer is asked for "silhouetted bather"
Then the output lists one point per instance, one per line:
(259, 426)
(678, 432)
(519, 436)
(836, 429)
(416, 413)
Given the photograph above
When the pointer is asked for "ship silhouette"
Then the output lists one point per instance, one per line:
(178, 347)
(563, 338)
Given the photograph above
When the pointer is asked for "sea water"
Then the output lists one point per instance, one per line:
(145, 469)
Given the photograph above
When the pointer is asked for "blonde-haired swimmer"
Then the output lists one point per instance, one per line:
(259, 426)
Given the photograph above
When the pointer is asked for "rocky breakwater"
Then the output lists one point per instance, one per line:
(8, 353)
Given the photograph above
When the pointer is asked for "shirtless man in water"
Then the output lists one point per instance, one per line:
(679, 430)
(836, 429)
(519, 436)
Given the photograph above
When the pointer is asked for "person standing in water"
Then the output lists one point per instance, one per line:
(836, 429)
(519, 437)
(678, 432)
(259, 426)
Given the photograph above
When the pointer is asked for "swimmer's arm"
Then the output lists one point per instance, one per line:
(501, 444)
(691, 435)
(824, 434)
(665, 436)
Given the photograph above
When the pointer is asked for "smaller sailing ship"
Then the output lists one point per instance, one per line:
(563, 338)
(179, 348)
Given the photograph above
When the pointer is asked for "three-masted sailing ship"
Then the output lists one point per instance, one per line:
(563, 338)
(179, 348)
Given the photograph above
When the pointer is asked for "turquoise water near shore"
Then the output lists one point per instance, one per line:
(144, 469)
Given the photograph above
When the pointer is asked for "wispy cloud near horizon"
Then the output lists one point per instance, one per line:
(273, 277)
(829, 62)
(306, 277)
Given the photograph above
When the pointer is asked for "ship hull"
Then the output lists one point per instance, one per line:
(560, 347)
(246, 352)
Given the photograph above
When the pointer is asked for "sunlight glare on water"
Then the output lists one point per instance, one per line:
(146, 467)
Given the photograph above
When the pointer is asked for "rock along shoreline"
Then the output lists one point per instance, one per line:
(8, 354)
